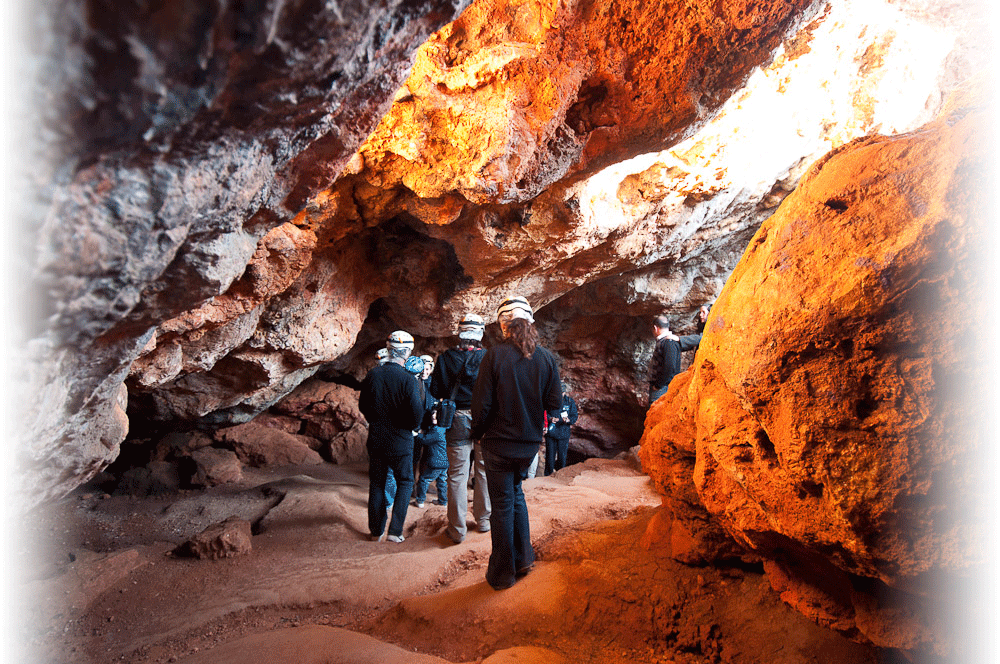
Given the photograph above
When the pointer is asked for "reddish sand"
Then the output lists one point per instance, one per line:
(106, 588)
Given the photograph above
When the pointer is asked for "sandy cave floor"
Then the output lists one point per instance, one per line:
(104, 586)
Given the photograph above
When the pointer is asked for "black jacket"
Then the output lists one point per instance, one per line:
(456, 364)
(511, 396)
(665, 363)
(392, 401)
(559, 429)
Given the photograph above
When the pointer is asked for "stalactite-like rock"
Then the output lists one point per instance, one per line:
(828, 420)
(173, 139)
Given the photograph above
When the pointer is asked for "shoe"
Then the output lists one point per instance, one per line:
(418, 503)
(376, 538)
(484, 526)
(503, 587)
(396, 538)
(440, 502)
(524, 570)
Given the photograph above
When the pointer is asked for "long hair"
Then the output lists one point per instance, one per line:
(523, 335)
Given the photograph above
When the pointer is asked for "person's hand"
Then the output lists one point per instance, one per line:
(565, 417)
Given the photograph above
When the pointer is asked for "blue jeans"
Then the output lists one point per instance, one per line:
(379, 466)
(509, 529)
(440, 478)
(390, 488)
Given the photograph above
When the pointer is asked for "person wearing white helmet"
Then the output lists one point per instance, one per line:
(392, 401)
(518, 381)
(453, 377)
(381, 357)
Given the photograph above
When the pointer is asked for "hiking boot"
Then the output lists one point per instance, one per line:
(395, 538)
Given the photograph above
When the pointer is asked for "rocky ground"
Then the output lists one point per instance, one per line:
(106, 585)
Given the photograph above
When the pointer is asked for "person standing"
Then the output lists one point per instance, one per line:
(518, 381)
(419, 444)
(392, 402)
(557, 436)
(666, 360)
(453, 378)
(428, 369)
(691, 341)
(434, 464)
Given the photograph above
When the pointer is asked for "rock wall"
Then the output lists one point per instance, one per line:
(250, 194)
(173, 143)
(829, 422)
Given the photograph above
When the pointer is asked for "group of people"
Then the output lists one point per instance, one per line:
(481, 413)
(507, 400)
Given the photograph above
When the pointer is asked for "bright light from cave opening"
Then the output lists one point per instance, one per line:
(866, 68)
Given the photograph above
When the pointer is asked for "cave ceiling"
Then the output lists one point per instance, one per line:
(229, 198)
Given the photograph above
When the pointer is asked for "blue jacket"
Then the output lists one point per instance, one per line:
(558, 429)
(435, 455)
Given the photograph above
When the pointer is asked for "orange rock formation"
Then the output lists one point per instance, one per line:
(827, 421)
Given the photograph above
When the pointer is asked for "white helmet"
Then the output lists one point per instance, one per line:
(399, 339)
(515, 307)
(471, 327)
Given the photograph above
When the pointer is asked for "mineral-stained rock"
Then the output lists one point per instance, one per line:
(329, 413)
(212, 235)
(171, 140)
(831, 403)
(668, 455)
(260, 446)
(232, 537)
(215, 466)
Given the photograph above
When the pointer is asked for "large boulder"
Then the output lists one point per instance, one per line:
(828, 422)
(329, 413)
(260, 446)
(214, 466)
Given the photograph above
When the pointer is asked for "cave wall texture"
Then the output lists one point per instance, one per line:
(830, 427)
(226, 200)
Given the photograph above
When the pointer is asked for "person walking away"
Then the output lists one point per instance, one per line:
(392, 402)
(557, 437)
(453, 378)
(518, 381)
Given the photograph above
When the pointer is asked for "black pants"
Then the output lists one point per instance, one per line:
(378, 468)
(555, 453)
